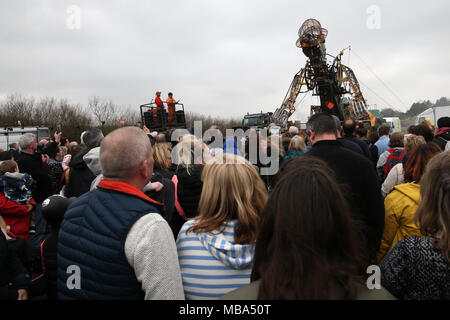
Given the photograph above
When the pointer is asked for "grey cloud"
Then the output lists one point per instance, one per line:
(221, 57)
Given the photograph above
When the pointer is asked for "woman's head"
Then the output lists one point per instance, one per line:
(191, 150)
(232, 189)
(413, 141)
(418, 159)
(307, 243)
(63, 152)
(396, 140)
(297, 143)
(422, 130)
(433, 213)
(162, 153)
(74, 149)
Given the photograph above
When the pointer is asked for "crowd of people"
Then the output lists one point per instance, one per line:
(135, 215)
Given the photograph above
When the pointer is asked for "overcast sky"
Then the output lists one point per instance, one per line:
(221, 57)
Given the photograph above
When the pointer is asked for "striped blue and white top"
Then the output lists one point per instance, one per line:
(211, 263)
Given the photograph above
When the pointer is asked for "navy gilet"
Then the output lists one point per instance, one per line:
(92, 237)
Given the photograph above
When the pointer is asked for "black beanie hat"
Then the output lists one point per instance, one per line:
(443, 122)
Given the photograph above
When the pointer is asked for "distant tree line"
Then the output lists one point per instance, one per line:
(73, 119)
(415, 109)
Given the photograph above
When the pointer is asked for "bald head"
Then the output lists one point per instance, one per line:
(123, 152)
(349, 127)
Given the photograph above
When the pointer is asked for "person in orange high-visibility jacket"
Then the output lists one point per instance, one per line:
(159, 102)
(159, 106)
(171, 106)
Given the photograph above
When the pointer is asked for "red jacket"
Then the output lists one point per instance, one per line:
(159, 103)
(16, 216)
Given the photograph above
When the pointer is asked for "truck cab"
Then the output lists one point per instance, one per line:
(394, 123)
(257, 120)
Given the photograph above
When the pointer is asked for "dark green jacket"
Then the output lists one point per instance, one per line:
(250, 292)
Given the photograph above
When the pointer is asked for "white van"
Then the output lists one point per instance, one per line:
(433, 115)
(395, 123)
(12, 134)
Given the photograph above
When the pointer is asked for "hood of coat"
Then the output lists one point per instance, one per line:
(409, 190)
(222, 247)
(92, 159)
(17, 179)
(14, 175)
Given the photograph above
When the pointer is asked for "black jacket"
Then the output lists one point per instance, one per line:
(7, 155)
(363, 196)
(374, 152)
(190, 189)
(11, 271)
(80, 176)
(350, 145)
(32, 164)
(163, 173)
(49, 263)
(363, 145)
(167, 197)
(53, 212)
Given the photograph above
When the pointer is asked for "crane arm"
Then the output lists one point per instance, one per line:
(287, 108)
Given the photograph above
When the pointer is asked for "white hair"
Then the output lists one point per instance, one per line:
(293, 130)
(25, 140)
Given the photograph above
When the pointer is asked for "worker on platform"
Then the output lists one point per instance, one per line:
(171, 106)
(159, 106)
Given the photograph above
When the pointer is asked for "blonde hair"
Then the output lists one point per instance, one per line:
(231, 190)
(433, 213)
(413, 141)
(160, 155)
(184, 154)
(63, 151)
(297, 143)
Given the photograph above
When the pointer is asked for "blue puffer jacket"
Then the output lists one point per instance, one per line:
(92, 237)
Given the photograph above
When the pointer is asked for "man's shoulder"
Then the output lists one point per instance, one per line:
(382, 140)
(342, 158)
(336, 150)
(99, 200)
(24, 156)
(146, 224)
(29, 163)
(351, 144)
